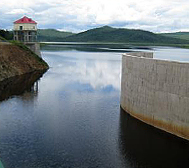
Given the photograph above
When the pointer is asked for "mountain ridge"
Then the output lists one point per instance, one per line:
(110, 34)
(52, 35)
(180, 35)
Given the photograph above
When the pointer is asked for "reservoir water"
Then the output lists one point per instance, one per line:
(71, 116)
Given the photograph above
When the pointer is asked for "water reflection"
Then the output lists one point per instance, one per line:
(144, 146)
(94, 47)
(26, 84)
(75, 119)
(165, 53)
(80, 70)
(171, 53)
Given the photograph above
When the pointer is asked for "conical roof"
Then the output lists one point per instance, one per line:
(25, 20)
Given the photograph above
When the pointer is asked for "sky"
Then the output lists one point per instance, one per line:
(80, 15)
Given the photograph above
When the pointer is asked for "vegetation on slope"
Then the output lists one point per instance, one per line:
(25, 48)
(5, 34)
(2, 39)
(179, 35)
(119, 35)
(18, 60)
(51, 35)
(108, 34)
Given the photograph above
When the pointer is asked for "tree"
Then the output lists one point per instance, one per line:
(6, 34)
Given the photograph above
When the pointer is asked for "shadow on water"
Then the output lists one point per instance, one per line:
(142, 145)
(20, 84)
(93, 47)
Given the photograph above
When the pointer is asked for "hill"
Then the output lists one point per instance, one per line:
(120, 35)
(52, 35)
(179, 35)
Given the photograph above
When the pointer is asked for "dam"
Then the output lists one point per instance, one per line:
(156, 92)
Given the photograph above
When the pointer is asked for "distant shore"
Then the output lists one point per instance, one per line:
(119, 45)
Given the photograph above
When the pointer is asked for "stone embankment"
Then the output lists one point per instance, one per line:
(156, 92)
(15, 60)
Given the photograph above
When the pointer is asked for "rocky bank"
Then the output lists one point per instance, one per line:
(17, 60)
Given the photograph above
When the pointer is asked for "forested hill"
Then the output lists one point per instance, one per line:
(120, 35)
(108, 34)
(180, 35)
(52, 35)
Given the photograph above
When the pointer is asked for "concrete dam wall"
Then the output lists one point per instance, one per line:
(156, 92)
(35, 47)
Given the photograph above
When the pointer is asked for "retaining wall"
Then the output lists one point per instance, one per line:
(156, 92)
(35, 47)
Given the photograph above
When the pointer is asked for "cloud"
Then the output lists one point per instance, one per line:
(17, 12)
(74, 15)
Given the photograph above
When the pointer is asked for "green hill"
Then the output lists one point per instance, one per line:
(108, 34)
(179, 35)
(52, 35)
(119, 35)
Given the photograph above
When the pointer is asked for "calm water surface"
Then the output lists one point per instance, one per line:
(71, 117)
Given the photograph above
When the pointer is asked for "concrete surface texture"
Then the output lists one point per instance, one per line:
(35, 47)
(156, 92)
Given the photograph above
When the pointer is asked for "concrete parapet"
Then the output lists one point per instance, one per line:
(156, 92)
(140, 54)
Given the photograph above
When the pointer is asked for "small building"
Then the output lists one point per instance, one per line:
(25, 30)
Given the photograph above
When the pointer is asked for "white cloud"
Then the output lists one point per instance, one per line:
(18, 11)
(154, 15)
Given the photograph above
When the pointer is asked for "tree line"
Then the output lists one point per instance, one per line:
(6, 34)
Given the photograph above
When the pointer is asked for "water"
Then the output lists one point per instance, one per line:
(72, 118)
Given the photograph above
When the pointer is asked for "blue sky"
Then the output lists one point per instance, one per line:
(81, 15)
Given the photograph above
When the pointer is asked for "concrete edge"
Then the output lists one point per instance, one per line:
(162, 60)
(179, 131)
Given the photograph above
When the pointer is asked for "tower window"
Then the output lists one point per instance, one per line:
(21, 27)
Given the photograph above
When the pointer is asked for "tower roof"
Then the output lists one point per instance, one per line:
(25, 20)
